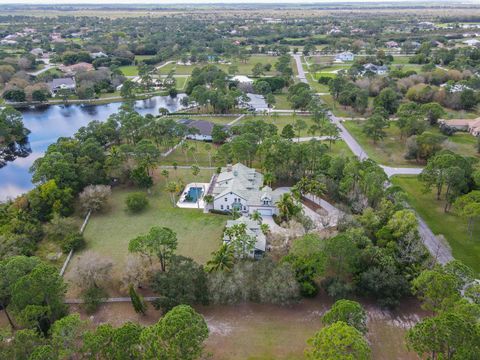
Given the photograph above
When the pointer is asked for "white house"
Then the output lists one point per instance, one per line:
(256, 102)
(240, 188)
(252, 229)
(472, 42)
(376, 69)
(345, 56)
(242, 79)
(62, 84)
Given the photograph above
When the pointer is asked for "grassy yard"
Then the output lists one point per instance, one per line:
(244, 68)
(109, 234)
(391, 150)
(451, 226)
(195, 153)
(281, 102)
(129, 70)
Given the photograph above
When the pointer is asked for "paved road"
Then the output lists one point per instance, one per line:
(46, 68)
(440, 251)
(301, 73)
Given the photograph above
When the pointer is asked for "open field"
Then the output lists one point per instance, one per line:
(244, 68)
(109, 233)
(256, 331)
(194, 152)
(129, 70)
(391, 150)
(464, 247)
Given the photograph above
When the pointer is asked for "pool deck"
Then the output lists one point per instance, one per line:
(200, 204)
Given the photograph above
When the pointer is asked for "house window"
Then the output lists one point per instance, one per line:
(244, 208)
(221, 207)
(228, 207)
(226, 199)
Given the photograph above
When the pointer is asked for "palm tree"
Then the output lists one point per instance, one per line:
(172, 188)
(222, 259)
(265, 228)
(268, 179)
(195, 172)
(256, 216)
(285, 205)
(208, 147)
(175, 167)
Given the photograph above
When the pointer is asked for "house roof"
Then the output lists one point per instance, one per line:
(252, 229)
(244, 182)
(62, 82)
(202, 126)
(257, 101)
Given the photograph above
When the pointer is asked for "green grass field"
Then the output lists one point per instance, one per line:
(244, 68)
(464, 247)
(195, 152)
(198, 234)
(129, 70)
(391, 150)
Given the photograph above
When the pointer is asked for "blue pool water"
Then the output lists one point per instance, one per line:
(194, 193)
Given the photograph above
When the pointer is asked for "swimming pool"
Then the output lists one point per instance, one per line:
(194, 193)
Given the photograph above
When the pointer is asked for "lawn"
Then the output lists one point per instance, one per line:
(280, 121)
(244, 68)
(129, 70)
(281, 102)
(454, 229)
(109, 233)
(391, 150)
(337, 109)
(315, 85)
(195, 152)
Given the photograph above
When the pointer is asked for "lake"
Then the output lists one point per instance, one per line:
(49, 123)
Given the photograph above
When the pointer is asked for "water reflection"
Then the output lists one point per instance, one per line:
(47, 124)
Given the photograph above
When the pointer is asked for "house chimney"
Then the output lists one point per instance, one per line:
(229, 167)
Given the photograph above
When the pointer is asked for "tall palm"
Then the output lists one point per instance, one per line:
(256, 216)
(285, 204)
(222, 259)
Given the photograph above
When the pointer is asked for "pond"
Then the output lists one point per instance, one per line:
(49, 123)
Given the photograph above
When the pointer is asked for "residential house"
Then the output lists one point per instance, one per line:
(252, 229)
(99, 54)
(345, 56)
(470, 125)
(376, 69)
(62, 84)
(242, 79)
(256, 103)
(241, 188)
(201, 130)
(37, 52)
(391, 44)
(472, 42)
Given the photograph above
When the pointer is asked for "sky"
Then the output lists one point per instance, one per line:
(160, 2)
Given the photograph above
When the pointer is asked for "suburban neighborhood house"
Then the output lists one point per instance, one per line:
(200, 130)
(376, 69)
(62, 84)
(345, 56)
(241, 188)
(470, 125)
(253, 230)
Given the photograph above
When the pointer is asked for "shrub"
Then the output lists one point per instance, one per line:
(74, 241)
(136, 202)
(92, 299)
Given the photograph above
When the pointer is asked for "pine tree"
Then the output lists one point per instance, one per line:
(138, 303)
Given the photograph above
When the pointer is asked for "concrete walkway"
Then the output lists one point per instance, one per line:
(236, 120)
